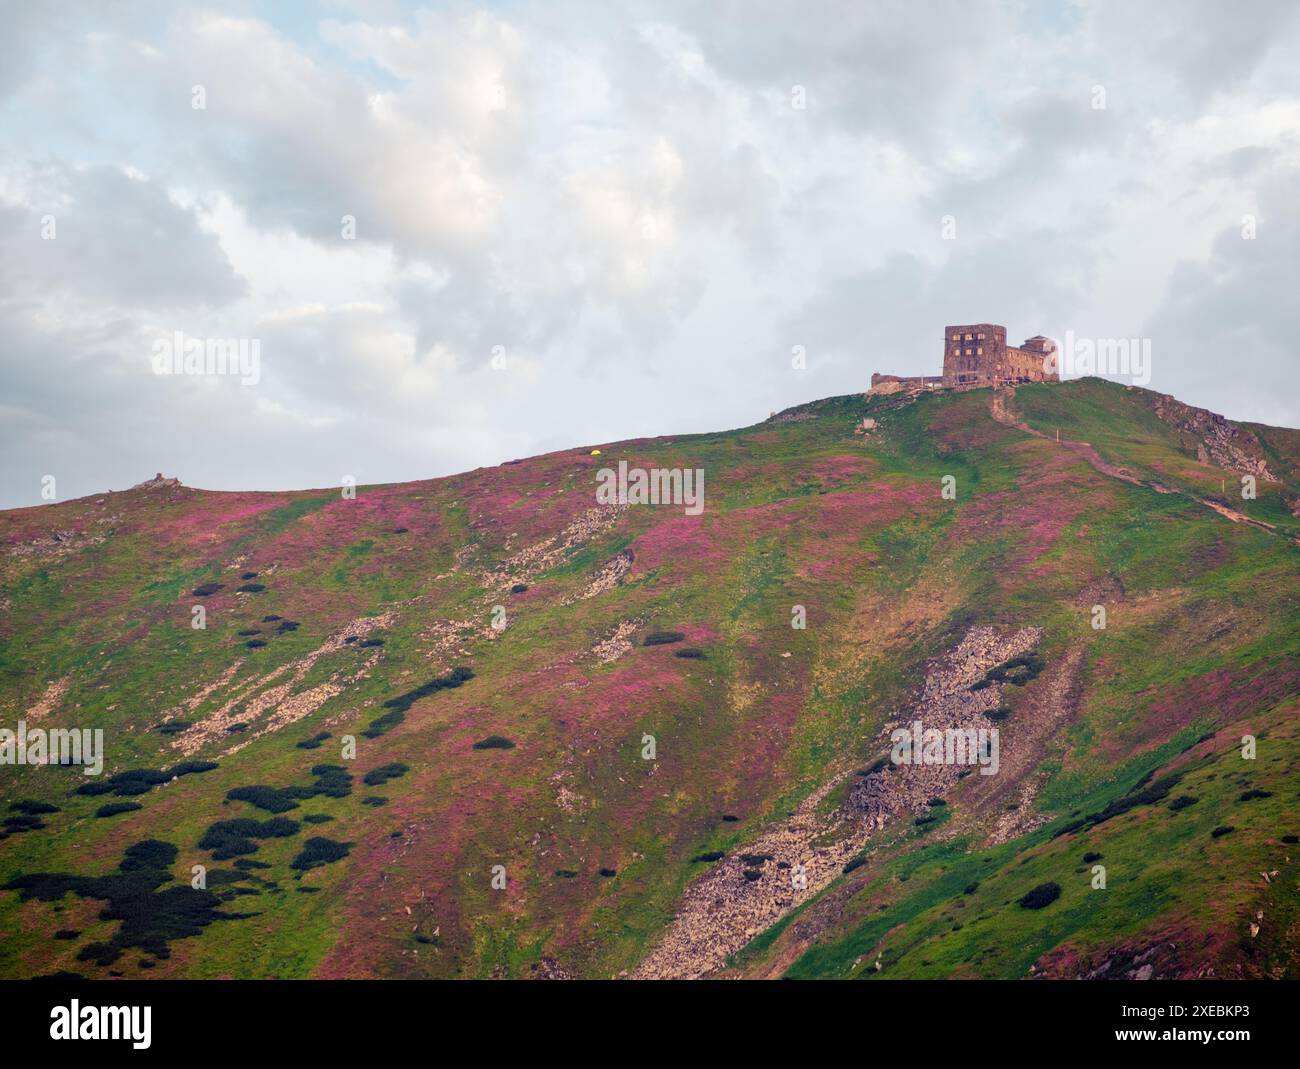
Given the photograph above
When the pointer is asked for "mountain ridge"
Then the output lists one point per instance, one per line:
(836, 507)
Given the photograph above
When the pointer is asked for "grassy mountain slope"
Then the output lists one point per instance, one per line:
(401, 586)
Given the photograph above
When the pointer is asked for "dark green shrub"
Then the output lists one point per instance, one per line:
(711, 855)
(565, 874)
(206, 590)
(272, 799)
(100, 953)
(1222, 830)
(1250, 795)
(370, 642)
(752, 874)
(374, 801)
(271, 619)
(608, 873)
(1001, 713)
(189, 768)
(727, 818)
(318, 851)
(855, 863)
(690, 653)
(662, 638)
(314, 743)
(255, 643)
(112, 809)
(173, 727)
(34, 808)
(399, 705)
(24, 822)
(249, 631)
(1042, 895)
(250, 588)
(1291, 838)
(1090, 857)
(249, 575)
(494, 742)
(67, 933)
(1018, 671)
(377, 776)
(317, 818)
(231, 838)
(1182, 802)
(519, 588)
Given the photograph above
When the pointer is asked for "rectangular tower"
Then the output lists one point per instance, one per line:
(972, 353)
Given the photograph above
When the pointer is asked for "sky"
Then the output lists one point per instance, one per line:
(458, 234)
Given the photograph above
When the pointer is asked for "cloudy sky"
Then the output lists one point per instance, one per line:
(578, 222)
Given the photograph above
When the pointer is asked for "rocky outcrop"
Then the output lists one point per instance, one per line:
(746, 892)
(1216, 440)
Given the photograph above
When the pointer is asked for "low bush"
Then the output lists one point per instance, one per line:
(494, 742)
(1042, 895)
(318, 851)
(752, 874)
(662, 638)
(1182, 802)
(250, 588)
(1090, 857)
(189, 768)
(112, 809)
(233, 838)
(377, 776)
(690, 653)
(399, 705)
(173, 727)
(1247, 796)
(99, 953)
(1221, 831)
(125, 784)
(855, 863)
(711, 855)
(33, 808)
(272, 799)
(206, 590)
(519, 588)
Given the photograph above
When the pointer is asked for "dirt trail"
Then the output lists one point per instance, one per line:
(999, 409)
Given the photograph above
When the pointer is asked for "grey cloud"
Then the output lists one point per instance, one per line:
(117, 239)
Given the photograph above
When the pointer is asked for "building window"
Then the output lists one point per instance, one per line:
(980, 350)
